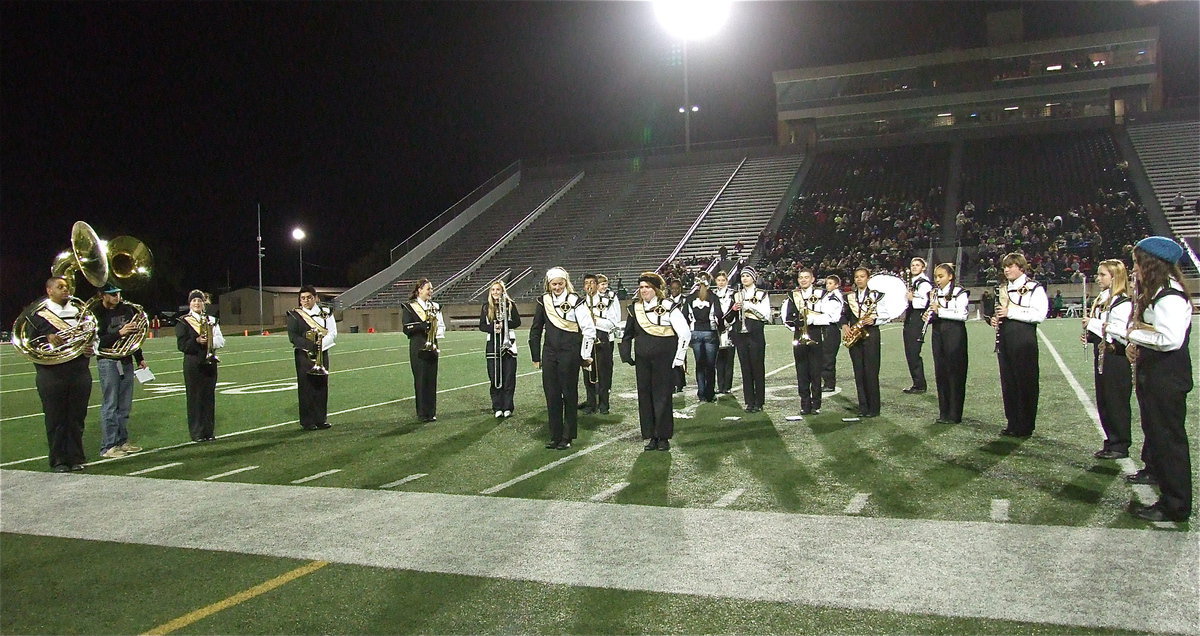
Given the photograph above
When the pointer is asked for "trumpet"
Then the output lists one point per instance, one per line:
(800, 335)
(206, 332)
(431, 341)
(317, 336)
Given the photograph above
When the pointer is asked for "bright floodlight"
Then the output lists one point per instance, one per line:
(692, 19)
(298, 234)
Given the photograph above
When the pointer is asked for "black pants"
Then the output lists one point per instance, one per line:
(65, 390)
(1019, 374)
(425, 370)
(560, 382)
(912, 348)
(810, 364)
(655, 386)
(831, 345)
(597, 394)
(680, 378)
(752, 356)
(502, 398)
(1113, 388)
(1163, 407)
(200, 380)
(950, 367)
(725, 369)
(312, 390)
(865, 358)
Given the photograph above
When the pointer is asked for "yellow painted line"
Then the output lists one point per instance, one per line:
(240, 597)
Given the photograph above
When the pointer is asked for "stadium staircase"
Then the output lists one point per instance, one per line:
(616, 223)
(1170, 154)
(444, 260)
(744, 207)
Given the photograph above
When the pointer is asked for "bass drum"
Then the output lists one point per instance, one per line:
(894, 295)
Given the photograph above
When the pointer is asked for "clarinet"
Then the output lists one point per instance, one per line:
(1000, 320)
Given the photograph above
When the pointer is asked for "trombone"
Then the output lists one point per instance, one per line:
(501, 341)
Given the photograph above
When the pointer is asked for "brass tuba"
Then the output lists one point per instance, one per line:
(130, 262)
(87, 255)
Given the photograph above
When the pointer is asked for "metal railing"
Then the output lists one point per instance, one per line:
(452, 212)
(700, 218)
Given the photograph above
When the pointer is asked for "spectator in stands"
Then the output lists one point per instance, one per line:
(1178, 202)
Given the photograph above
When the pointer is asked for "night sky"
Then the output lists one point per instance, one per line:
(171, 121)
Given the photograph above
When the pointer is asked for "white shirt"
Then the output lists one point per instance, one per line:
(1110, 323)
(956, 307)
(582, 318)
(1030, 307)
(218, 338)
(1169, 318)
(683, 333)
(882, 317)
(607, 319)
(325, 320)
(921, 292)
(763, 307)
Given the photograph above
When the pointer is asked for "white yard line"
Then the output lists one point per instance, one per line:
(537, 471)
(316, 476)
(610, 492)
(155, 468)
(857, 503)
(231, 472)
(728, 498)
(1000, 510)
(1144, 495)
(393, 484)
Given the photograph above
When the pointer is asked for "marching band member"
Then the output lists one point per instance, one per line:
(612, 316)
(947, 316)
(1020, 306)
(655, 341)
(833, 340)
(115, 320)
(1105, 328)
(1160, 350)
(570, 333)
(750, 311)
(198, 335)
(918, 302)
(312, 388)
(499, 318)
(421, 316)
(807, 313)
(63, 388)
(675, 295)
(703, 313)
(606, 312)
(864, 309)
(725, 350)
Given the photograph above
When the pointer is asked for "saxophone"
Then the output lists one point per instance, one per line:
(858, 331)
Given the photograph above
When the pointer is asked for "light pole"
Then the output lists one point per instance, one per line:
(690, 20)
(298, 235)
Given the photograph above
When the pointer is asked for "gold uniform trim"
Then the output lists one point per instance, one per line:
(552, 313)
(654, 329)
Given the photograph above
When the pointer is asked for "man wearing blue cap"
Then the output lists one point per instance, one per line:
(115, 322)
(1160, 350)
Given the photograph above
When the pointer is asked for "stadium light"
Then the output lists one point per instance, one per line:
(298, 235)
(690, 20)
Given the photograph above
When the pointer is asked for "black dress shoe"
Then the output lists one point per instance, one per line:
(62, 468)
(309, 427)
(912, 390)
(827, 389)
(1008, 432)
(806, 411)
(552, 444)
(563, 445)
(76, 467)
(651, 445)
(1157, 513)
(324, 425)
(1142, 477)
(603, 410)
(1109, 454)
(664, 444)
(869, 415)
